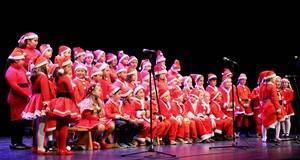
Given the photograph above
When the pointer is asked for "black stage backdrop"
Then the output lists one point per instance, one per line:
(199, 52)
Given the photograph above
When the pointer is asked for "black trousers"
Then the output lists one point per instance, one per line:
(125, 130)
(17, 131)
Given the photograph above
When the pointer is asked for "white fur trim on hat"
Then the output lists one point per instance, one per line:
(161, 72)
(103, 66)
(66, 62)
(43, 63)
(80, 67)
(96, 73)
(160, 59)
(112, 58)
(124, 56)
(136, 89)
(270, 76)
(132, 72)
(48, 47)
(121, 70)
(79, 54)
(211, 77)
(132, 59)
(16, 57)
(66, 50)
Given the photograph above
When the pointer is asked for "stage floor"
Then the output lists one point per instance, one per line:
(257, 150)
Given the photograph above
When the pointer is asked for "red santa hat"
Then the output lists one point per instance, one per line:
(131, 71)
(63, 49)
(225, 80)
(16, 54)
(40, 61)
(261, 77)
(285, 80)
(163, 91)
(113, 90)
(242, 76)
(44, 48)
(160, 56)
(144, 63)
(132, 59)
(98, 53)
(126, 91)
(176, 93)
(196, 77)
(89, 53)
(63, 61)
(176, 66)
(110, 57)
(80, 66)
(214, 95)
(95, 71)
(195, 93)
(121, 68)
(226, 73)
(122, 55)
(51, 68)
(78, 52)
(269, 75)
(137, 88)
(211, 76)
(159, 69)
(29, 35)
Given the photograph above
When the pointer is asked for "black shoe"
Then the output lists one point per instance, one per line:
(17, 147)
(51, 146)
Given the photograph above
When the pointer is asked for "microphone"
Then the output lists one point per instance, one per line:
(229, 60)
(148, 50)
(290, 76)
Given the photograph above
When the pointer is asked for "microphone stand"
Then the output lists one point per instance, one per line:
(151, 147)
(234, 141)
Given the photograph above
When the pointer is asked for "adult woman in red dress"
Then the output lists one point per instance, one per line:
(35, 109)
(18, 96)
(63, 108)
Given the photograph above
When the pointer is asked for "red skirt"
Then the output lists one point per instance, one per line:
(269, 115)
(34, 108)
(63, 107)
(289, 110)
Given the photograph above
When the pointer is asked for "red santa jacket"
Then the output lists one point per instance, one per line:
(226, 102)
(165, 109)
(210, 89)
(204, 109)
(216, 111)
(255, 98)
(41, 85)
(128, 109)
(113, 109)
(269, 92)
(177, 108)
(65, 88)
(287, 96)
(105, 83)
(244, 95)
(112, 74)
(80, 89)
(190, 108)
(19, 92)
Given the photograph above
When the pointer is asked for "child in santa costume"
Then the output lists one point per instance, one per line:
(112, 61)
(105, 81)
(99, 57)
(132, 65)
(35, 109)
(165, 111)
(187, 87)
(80, 82)
(212, 83)
(244, 98)
(121, 74)
(131, 78)
(79, 55)
(144, 68)
(46, 51)
(160, 59)
(199, 82)
(160, 76)
(123, 58)
(63, 108)
(65, 51)
(187, 128)
(93, 116)
(28, 43)
(287, 99)
(89, 61)
(18, 96)
(175, 69)
(222, 121)
(271, 110)
(193, 112)
(125, 128)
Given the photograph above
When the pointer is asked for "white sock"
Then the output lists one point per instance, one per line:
(264, 133)
(288, 125)
(277, 128)
(40, 134)
(283, 126)
(50, 136)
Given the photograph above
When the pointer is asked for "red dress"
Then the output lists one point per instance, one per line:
(64, 105)
(40, 98)
(287, 99)
(19, 92)
(91, 114)
(105, 83)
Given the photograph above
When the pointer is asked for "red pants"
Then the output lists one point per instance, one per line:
(257, 121)
(173, 128)
(204, 127)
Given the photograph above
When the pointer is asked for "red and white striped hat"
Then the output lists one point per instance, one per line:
(44, 48)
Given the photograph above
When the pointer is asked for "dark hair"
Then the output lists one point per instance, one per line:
(56, 74)
(129, 77)
(23, 45)
(35, 71)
